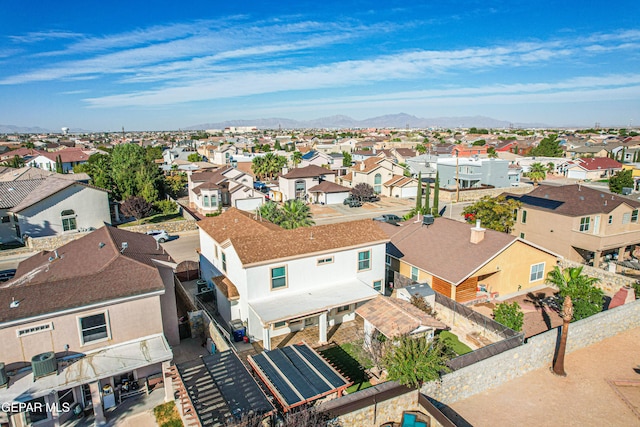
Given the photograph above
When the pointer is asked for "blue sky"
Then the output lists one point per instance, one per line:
(168, 65)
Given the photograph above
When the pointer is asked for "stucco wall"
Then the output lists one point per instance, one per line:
(127, 320)
(537, 353)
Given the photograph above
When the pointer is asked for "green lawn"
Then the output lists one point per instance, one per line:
(154, 219)
(452, 341)
(345, 359)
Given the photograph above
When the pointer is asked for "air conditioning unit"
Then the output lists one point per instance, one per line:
(44, 364)
(3, 375)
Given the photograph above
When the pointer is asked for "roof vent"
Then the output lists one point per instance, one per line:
(14, 303)
(428, 220)
(581, 198)
(101, 245)
(44, 364)
(125, 245)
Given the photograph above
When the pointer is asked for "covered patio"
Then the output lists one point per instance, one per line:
(324, 309)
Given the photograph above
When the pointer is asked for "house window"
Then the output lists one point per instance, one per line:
(36, 411)
(94, 328)
(215, 249)
(278, 277)
(301, 188)
(610, 219)
(364, 260)
(377, 285)
(6, 219)
(68, 220)
(522, 235)
(414, 274)
(205, 201)
(626, 217)
(344, 308)
(66, 396)
(537, 272)
(279, 325)
(224, 261)
(524, 217)
(214, 201)
(634, 215)
(323, 261)
(377, 183)
(387, 260)
(585, 222)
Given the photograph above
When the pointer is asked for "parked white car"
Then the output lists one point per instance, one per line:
(160, 235)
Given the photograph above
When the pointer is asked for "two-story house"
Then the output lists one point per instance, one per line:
(471, 172)
(580, 223)
(591, 168)
(296, 183)
(279, 281)
(77, 322)
(384, 175)
(50, 206)
(211, 190)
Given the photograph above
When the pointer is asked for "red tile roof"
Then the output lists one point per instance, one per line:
(596, 163)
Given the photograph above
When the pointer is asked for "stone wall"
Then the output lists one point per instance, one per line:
(448, 195)
(53, 242)
(610, 282)
(537, 353)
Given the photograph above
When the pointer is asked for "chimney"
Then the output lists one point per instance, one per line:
(477, 233)
(361, 166)
(285, 171)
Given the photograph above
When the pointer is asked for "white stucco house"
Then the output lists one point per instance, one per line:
(212, 190)
(50, 206)
(278, 281)
(384, 175)
(295, 183)
(69, 158)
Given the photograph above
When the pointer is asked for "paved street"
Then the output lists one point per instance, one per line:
(182, 247)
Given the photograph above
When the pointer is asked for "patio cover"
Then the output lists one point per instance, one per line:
(308, 302)
(90, 367)
(297, 374)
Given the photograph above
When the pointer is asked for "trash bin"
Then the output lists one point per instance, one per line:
(237, 330)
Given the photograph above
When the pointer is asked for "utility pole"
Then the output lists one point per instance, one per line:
(457, 180)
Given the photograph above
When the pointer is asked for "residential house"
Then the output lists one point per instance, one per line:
(472, 172)
(384, 175)
(464, 262)
(425, 165)
(296, 183)
(461, 150)
(591, 168)
(211, 190)
(220, 155)
(587, 151)
(69, 157)
(318, 158)
(279, 281)
(77, 322)
(580, 223)
(50, 206)
(329, 193)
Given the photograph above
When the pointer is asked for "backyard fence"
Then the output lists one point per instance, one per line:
(510, 338)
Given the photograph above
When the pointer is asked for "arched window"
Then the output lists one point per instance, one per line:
(68, 220)
(377, 183)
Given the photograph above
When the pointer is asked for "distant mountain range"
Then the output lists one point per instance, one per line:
(36, 129)
(400, 121)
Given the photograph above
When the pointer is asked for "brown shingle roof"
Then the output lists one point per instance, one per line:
(308, 172)
(328, 187)
(572, 200)
(599, 163)
(394, 317)
(259, 241)
(226, 286)
(444, 248)
(87, 271)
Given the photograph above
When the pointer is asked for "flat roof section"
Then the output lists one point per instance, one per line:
(297, 374)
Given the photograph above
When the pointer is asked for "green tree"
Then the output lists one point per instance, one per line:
(494, 213)
(436, 196)
(98, 167)
(296, 158)
(491, 153)
(153, 153)
(551, 167)
(427, 197)
(277, 146)
(271, 212)
(15, 162)
(421, 149)
(587, 299)
(509, 315)
(175, 184)
(621, 179)
(537, 173)
(59, 167)
(419, 194)
(548, 147)
(295, 214)
(194, 157)
(414, 361)
(133, 174)
(268, 166)
(347, 159)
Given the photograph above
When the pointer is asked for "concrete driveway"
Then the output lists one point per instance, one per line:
(182, 247)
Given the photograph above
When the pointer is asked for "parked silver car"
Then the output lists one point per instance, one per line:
(160, 235)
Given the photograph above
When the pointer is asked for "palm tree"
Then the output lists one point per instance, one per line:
(295, 213)
(296, 158)
(537, 172)
(551, 167)
(586, 297)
